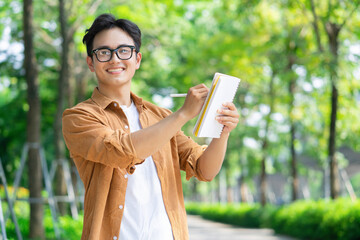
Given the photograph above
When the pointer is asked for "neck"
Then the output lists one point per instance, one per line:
(120, 95)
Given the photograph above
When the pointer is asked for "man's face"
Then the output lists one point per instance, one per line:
(116, 72)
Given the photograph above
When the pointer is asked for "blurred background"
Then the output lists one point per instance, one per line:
(298, 61)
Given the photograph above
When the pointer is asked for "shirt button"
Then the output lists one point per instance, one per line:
(115, 104)
(125, 176)
(114, 237)
(121, 206)
(126, 126)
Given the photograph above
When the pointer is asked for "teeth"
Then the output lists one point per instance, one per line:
(115, 70)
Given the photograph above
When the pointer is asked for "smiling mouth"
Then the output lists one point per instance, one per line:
(115, 70)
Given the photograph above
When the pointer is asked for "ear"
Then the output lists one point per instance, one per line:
(138, 60)
(90, 64)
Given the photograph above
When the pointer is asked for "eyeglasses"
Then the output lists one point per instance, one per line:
(123, 52)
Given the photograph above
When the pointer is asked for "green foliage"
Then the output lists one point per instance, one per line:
(305, 216)
(252, 216)
(70, 228)
(319, 220)
(310, 220)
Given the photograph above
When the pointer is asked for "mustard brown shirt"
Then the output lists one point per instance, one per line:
(97, 135)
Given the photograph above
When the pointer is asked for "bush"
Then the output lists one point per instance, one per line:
(235, 214)
(300, 219)
(69, 228)
(310, 220)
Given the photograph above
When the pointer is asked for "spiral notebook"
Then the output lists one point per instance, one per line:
(223, 89)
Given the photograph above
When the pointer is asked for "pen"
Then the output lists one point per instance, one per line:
(178, 95)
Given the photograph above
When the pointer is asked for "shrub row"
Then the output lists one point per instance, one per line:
(310, 220)
(70, 229)
(251, 216)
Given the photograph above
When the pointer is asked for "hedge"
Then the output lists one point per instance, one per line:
(310, 220)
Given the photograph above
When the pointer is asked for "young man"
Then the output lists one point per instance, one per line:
(129, 152)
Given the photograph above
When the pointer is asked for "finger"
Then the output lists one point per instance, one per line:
(224, 120)
(226, 112)
(201, 86)
(229, 105)
(202, 92)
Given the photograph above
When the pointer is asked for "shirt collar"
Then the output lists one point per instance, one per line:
(104, 101)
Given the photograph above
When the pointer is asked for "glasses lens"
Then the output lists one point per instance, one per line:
(124, 52)
(103, 55)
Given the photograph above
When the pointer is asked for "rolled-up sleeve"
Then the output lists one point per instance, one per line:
(189, 153)
(90, 138)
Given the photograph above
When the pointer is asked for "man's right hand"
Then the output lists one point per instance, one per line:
(194, 101)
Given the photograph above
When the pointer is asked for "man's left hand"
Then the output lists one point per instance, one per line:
(229, 117)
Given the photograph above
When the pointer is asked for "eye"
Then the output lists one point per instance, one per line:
(104, 52)
(124, 50)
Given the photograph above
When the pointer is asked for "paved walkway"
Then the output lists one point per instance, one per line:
(201, 229)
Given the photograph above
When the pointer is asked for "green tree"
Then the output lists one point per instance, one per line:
(334, 18)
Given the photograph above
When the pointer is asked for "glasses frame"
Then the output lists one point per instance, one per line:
(116, 52)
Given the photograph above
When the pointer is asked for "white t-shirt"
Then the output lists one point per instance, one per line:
(144, 216)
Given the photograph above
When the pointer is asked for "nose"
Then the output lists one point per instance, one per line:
(114, 57)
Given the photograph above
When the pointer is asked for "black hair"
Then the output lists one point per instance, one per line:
(108, 21)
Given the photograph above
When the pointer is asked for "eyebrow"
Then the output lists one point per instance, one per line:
(105, 46)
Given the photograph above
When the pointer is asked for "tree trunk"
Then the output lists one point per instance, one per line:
(229, 189)
(293, 160)
(222, 187)
(81, 84)
(334, 176)
(333, 31)
(60, 186)
(263, 183)
(243, 189)
(33, 124)
(294, 174)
